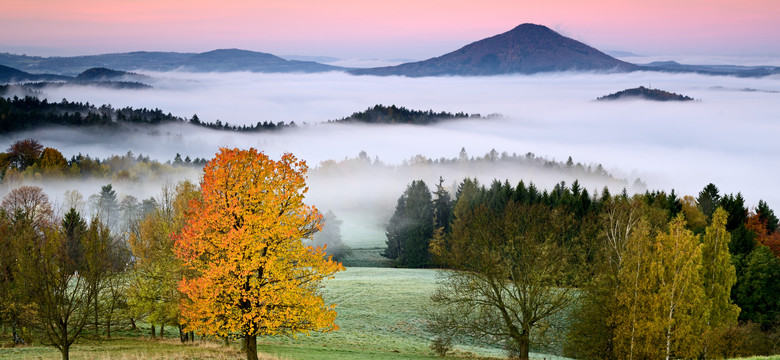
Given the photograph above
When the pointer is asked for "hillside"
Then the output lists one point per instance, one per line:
(217, 60)
(105, 74)
(526, 49)
(645, 94)
(9, 74)
(730, 70)
(244, 60)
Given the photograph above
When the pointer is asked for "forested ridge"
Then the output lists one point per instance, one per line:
(29, 112)
(647, 94)
(381, 114)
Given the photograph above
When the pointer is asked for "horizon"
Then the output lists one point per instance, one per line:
(348, 29)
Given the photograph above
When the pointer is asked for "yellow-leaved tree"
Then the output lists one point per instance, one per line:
(248, 271)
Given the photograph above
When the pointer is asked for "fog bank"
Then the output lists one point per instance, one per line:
(728, 136)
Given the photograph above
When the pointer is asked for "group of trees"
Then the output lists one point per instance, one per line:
(226, 259)
(29, 112)
(29, 159)
(645, 93)
(57, 274)
(644, 276)
(380, 114)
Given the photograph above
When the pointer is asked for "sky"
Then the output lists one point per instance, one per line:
(400, 29)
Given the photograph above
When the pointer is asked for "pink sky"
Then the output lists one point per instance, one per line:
(384, 29)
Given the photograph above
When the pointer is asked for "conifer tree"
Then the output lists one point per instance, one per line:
(410, 229)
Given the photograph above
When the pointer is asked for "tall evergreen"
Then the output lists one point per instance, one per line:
(442, 207)
(74, 228)
(757, 288)
(767, 216)
(708, 200)
(411, 227)
(735, 206)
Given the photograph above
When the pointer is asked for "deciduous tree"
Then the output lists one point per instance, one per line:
(680, 293)
(718, 276)
(61, 297)
(251, 273)
(509, 276)
(153, 289)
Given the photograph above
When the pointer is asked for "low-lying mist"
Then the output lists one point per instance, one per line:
(727, 137)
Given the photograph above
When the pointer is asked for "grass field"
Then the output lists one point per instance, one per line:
(378, 315)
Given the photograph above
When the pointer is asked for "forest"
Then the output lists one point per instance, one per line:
(652, 275)
(29, 112)
(649, 275)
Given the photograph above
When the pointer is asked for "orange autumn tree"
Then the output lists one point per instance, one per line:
(250, 272)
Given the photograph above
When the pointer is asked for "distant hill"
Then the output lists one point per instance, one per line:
(9, 74)
(23, 83)
(380, 114)
(74, 65)
(105, 74)
(729, 70)
(645, 94)
(217, 60)
(526, 49)
(244, 60)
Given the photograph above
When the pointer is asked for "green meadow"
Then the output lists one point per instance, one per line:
(379, 317)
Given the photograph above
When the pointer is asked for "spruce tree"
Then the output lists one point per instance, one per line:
(411, 227)
(708, 199)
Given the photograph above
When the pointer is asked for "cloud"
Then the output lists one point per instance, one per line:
(728, 137)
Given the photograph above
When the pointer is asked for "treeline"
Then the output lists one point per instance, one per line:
(260, 126)
(645, 276)
(29, 112)
(487, 163)
(380, 114)
(646, 93)
(28, 159)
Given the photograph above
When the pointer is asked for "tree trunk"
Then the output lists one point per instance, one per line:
(154, 336)
(225, 341)
(251, 347)
(523, 346)
(192, 336)
(65, 352)
(96, 315)
(162, 331)
(132, 324)
(108, 326)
